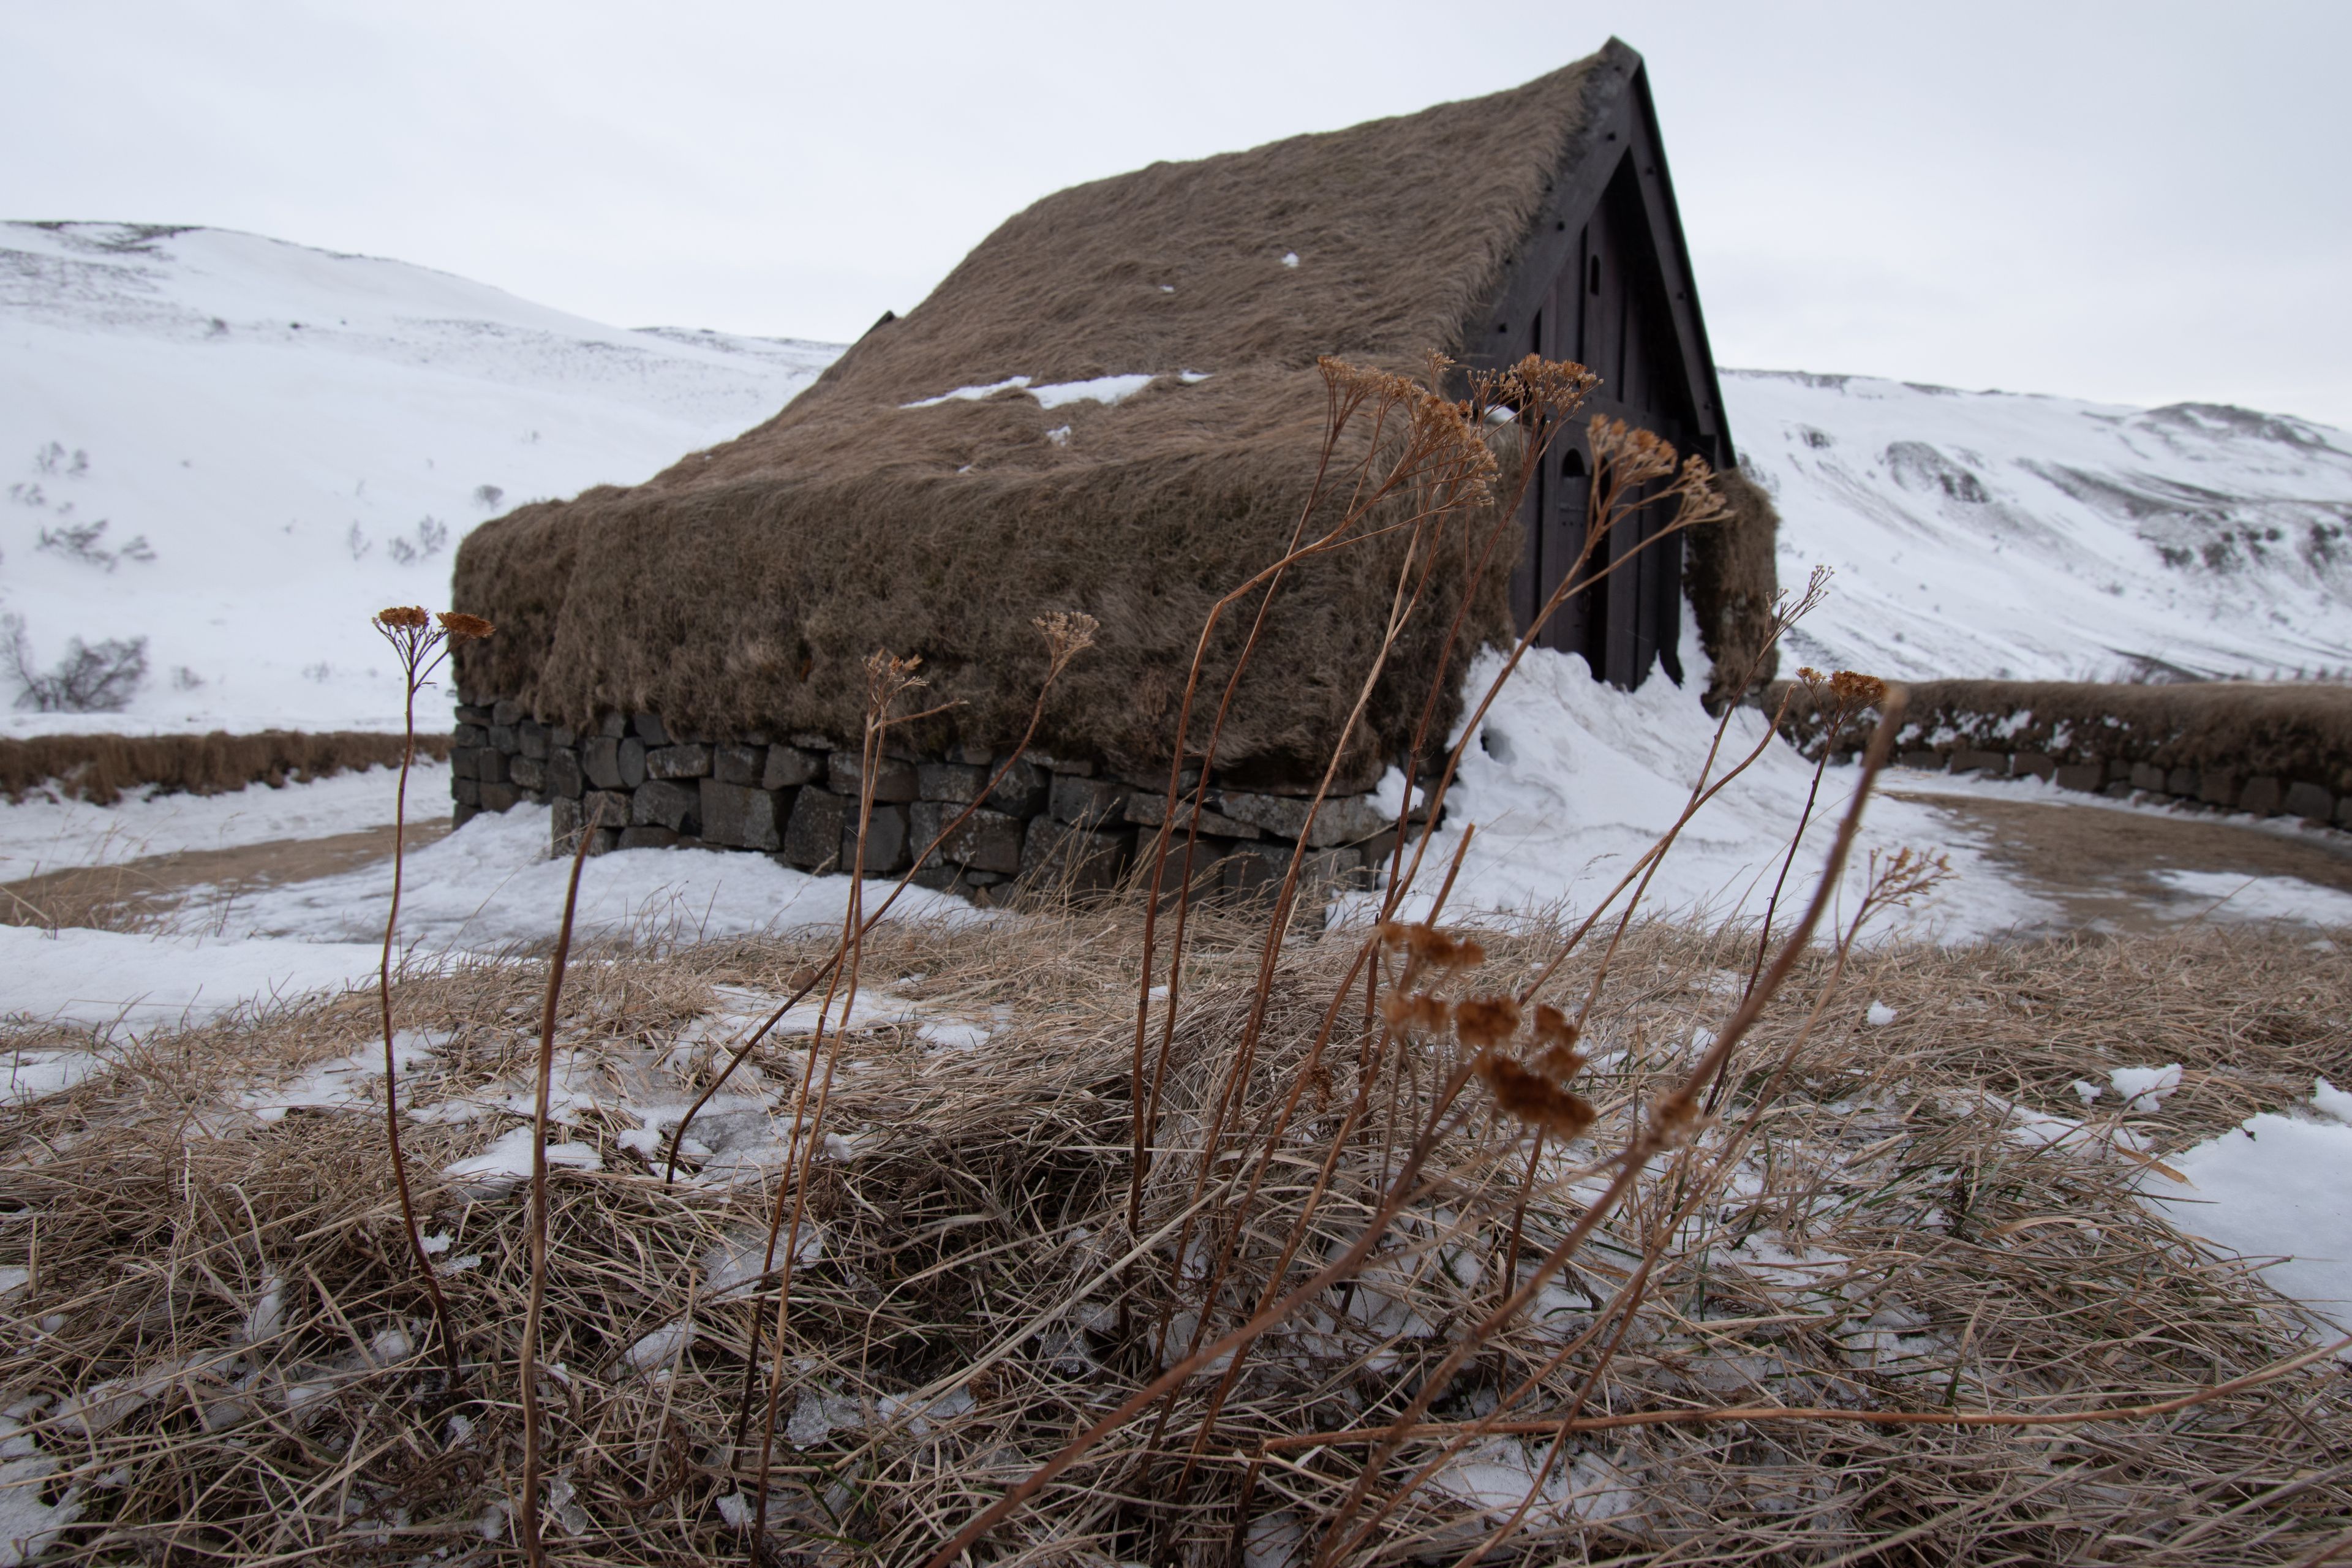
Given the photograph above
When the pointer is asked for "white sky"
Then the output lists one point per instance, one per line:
(2143, 202)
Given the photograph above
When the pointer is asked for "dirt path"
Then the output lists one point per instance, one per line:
(135, 893)
(2100, 865)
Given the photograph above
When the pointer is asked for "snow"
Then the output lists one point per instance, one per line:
(45, 833)
(158, 382)
(506, 1164)
(1571, 780)
(2143, 1089)
(113, 981)
(1993, 534)
(1099, 389)
(491, 884)
(2276, 1190)
(2236, 897)
(1879, 1015)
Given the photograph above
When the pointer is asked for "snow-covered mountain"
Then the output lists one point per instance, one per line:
(238, 449)
(1985, 533)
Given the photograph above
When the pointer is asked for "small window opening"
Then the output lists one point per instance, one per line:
(1572, 464)
(1592, 277)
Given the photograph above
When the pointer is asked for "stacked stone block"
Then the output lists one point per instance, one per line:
(795, 798)
(2123, 778)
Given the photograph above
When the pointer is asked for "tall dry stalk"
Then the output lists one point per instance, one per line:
(543, 1073)
(420, 641)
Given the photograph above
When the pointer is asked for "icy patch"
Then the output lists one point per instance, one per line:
(970, 394)
(1290, 258)
(1497, 1476)
(28, 1525)
(1104, 389)
(2229, 896)
(344, 1084)
(2278, 1186)
(506, 1164)
(115, 982)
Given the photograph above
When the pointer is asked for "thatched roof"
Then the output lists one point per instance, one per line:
(742, 589)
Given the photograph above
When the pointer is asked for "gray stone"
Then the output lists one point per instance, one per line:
(678, 762)
(2261, 796)
(1254, 870)
(739, 817)
(964, 751)
(738, 764)
(499, 796)
(2180, 781)
(604, 841)
(600, 761)
(810, 741)
(1932, 762)
(987, 840)
(1344, 820)
(2037, 763)
(464, 761)
(647, 837)
(563, 825)
(647, 727)
(1993, 762)
(1087, 801)
(660, 802)
(531, 739)
(1022, 791)
(2343, 811)
(2120, 789)
(466, 793)
(469, 735)
(812, 832)
(473, 713)
(631, 758)
(506, 711)
(960, 783)
(2310, 802)
(558, 736)
(605, 808)
(1082, 860)
(885, 839)
(503, 739)
(489, 766)
(1145, 809)
(1074, 765)
(2084, 776)
(2147, 776)
(2218, 786)
(460, 814)
(612, 726)
(563, 775)
(894, 781)
(789, 767)
(526, 773)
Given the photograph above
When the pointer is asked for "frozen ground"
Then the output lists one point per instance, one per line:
(258, 445)
(1993, 534)
(43, 833)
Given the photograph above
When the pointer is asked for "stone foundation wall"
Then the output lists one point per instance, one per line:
(795, 799)
(2232, 789)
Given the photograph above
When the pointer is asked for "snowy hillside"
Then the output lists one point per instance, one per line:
(238, 449)
(1985, 533)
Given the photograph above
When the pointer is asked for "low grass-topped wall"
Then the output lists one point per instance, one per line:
(2268, 748)
(100, 768)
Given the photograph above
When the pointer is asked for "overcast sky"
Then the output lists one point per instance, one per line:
(2145, 203)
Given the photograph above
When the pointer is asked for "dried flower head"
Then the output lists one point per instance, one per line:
(404, 615)
(1553, 1028)
(1849, 690)
(1487, 1021)
(1420, 1013)
(1431, 947)
(465, 629)
(1068, 633)
(1533, 1099)
(1558, 1063)
(1677, 1120)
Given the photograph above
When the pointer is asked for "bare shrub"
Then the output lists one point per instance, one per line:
(100, 678)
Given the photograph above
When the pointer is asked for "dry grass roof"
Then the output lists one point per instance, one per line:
(741, 589)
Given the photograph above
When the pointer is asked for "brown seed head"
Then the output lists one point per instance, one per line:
(1534, 1099)
(1418, 1014)
(465, 629)
(1553, 1027)
(1068, 633)
(1850, 689)
(403, 616)
(1558, 1063)
(1487, 1021)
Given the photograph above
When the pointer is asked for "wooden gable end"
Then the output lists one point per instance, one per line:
(1605, 279)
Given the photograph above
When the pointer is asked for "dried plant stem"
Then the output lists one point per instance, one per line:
(527, 1514)
(424, 1269)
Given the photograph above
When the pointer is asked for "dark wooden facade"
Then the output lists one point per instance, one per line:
(1606, 281)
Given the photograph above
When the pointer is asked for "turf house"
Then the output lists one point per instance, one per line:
(1112, 405)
